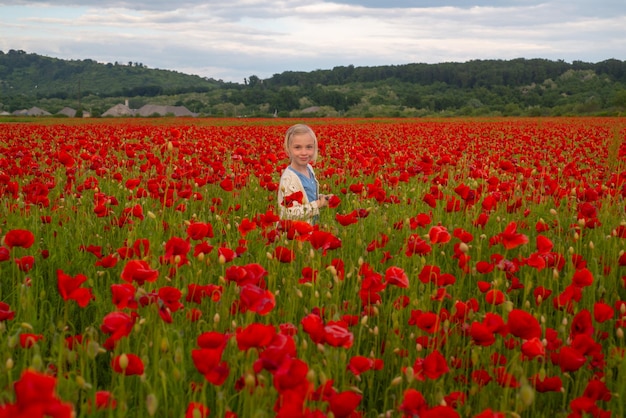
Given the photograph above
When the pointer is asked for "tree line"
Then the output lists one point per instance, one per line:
(479, 87)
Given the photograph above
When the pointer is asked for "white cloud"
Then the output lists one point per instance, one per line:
(231, 40)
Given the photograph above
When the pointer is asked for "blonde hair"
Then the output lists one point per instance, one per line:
(299, 129)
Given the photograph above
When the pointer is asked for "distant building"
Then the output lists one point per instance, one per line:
(33, 111)
(149, 110)
(119, 110)
(67, 111)
(122, 110)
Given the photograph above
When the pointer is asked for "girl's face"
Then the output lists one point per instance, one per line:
(301, 150)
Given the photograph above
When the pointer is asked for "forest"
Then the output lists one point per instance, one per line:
(518, 87)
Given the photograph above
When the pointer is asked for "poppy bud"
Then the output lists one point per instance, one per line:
(151, 404)
(396, 381)
(37, 362)
(527, 394)
(123, 361)
(410, 374)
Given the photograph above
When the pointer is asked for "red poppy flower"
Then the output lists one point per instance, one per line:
(308, 275)
(199, 230)
(28, 340)
(35, 396)
(413, 403)
(397, 277)
(127, 364)
(541, 293)
(347, 219)
(104, 400)
(523, 325)
(225, 255)
(255, 299)
(439, 235)
(334, 201)
(581, 324)
(426, 321)
(510, 238)
(291, 380)
(432, 366)
(336, 334)
(361, 364)
(5, 254)
(344, 404)
(118, 325)
(569, 359)
(546, 384)
(19, 238)
(93, 249)
(322, 240)
(371, 286)
(419, 221)
(249, 274)
(506, 379)
(202, 248)
(246, 226)
(209, 355)
(292, 198)
(25, 263)
(481, 334)
(544, 244)
(582, 278)
(565, 300)
(283, 254)
(533, 348)
(69, 288)
(227, 184)
(602, 312)
(495, 297)
(123, 296)
(177, 246)
(416, 245)
(432, 274)
(197, 410)
(254, 335)
(313, 325)
(597, 390)
(5, 312)
(139, 271)
(108, 261)
(196, 292)
(481, 377)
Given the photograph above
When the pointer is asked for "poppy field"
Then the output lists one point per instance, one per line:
(464, 268)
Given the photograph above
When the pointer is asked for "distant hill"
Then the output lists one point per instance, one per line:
(34, 75)
(515, 87)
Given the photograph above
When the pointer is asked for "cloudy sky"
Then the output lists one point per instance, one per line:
(233, 39)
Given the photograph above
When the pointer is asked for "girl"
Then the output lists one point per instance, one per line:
(298, 190)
